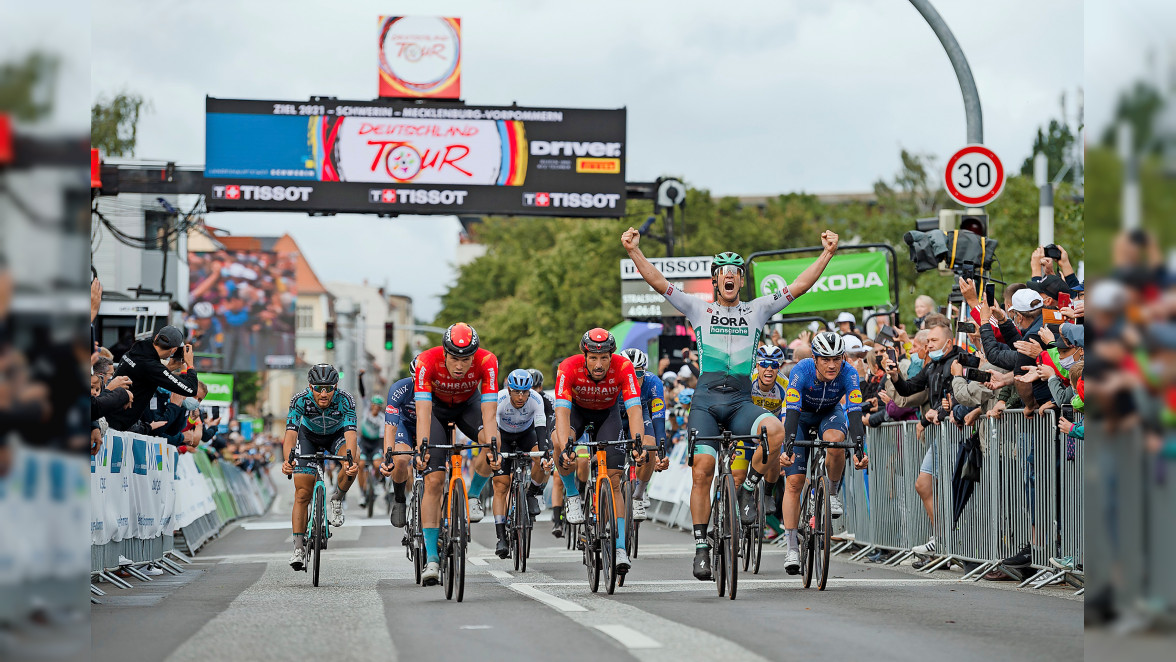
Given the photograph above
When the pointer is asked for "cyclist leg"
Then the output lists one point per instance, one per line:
(749, 418)
(344, 443)
(434, 479)
(510, 443)
(573, 505)
(706, 454)
(538, 475)
(610, 429)
(833, 428)
(304, 479)
(793, 486)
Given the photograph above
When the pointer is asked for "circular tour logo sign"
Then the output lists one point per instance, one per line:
(419, 56)
(772, 284)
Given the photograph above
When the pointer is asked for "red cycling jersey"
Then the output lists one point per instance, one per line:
(433, 378)
(574, 385)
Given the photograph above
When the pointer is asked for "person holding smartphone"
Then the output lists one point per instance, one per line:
(144, 363)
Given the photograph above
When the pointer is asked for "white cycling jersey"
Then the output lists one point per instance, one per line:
(517, 420)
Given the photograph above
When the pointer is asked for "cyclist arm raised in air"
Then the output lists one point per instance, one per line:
(809, 276)
(630, 240)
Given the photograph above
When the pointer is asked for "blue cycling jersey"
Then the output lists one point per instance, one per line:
(339, 416)
(653, 404)
(808, 393)
(400, 407)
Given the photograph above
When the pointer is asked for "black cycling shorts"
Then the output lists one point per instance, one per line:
(606, 425)
(524, 441)
(466, 416)
(311, 442)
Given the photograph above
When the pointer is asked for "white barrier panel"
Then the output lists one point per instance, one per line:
(673, 484)
(193, 493)
(132, 488)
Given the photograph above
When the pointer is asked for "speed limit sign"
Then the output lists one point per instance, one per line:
(974, 176)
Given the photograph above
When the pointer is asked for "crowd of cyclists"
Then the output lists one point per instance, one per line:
(599, 394)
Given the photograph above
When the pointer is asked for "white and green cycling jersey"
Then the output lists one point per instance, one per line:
(728, 335)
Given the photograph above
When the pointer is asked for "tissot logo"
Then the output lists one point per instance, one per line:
(276, 193)
(411, 196)
(572, 200)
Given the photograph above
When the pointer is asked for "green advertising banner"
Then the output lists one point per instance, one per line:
(220, 388)
(850, 281)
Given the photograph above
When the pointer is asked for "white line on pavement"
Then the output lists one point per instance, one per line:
(271, 526)
(500, 574)
(546, 598)
(628, 637)
(748, 580)
(477, 561)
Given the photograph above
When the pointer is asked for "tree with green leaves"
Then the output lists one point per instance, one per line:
(27, 87)
(114, 123)
(1056, 144)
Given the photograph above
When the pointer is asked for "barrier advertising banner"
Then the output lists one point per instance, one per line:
(420, 57)
(393, 157)
(689, 274)
(850, 281)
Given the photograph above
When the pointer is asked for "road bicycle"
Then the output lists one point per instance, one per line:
(816, 522)
(724, 532)
(518, 516)
(318, 530)
(414, 537)
(598, 534)
(454, 536)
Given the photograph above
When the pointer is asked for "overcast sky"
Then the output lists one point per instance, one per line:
(740, 98)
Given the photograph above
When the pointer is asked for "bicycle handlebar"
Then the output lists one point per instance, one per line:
(319, 456)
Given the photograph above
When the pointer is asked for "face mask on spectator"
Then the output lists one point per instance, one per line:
(1068, 361)
(191, 403)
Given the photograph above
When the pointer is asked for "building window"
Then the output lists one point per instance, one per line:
(304, 317)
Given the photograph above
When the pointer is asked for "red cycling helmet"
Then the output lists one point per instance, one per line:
(597, 341)
(460, 340)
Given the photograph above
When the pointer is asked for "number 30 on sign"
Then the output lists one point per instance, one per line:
(974, 176)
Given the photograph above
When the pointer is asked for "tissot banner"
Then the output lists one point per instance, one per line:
(393, 156)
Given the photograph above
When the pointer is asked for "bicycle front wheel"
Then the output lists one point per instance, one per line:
(416, 541)
(761, 527)
(823, 533)
(805, 532)
(319, 535)
(606, 534)
(459, 526)
(730, 536)
(520, 526)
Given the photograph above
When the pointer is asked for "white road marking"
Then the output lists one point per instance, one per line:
(272, 526)
(628, 637)
(689, 583)
(546, 598)
(500, 574)
(477, 561)
(475, 627)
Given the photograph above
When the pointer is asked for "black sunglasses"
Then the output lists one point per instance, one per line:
(322, 388)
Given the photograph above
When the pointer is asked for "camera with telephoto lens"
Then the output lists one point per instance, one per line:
(969, 360)
(974, 375)
(1053, 252)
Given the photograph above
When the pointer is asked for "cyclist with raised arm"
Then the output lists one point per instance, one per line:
(454, 383)
(653, 412)
(523, 425)
(321, 417)
(814, 401)
(727, 332)
(587, 388)
(400, 422)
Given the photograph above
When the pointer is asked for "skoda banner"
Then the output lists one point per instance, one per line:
(220, 388)
(850, 281)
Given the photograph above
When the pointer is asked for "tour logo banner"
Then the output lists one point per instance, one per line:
(850, 281)
(392, 157)
(420, 57)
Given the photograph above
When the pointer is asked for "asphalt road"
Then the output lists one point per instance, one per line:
(241, 601)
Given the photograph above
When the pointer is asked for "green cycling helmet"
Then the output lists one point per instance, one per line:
(726, 258)
(377, 400)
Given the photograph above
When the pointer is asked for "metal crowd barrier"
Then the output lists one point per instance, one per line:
(1030, 492)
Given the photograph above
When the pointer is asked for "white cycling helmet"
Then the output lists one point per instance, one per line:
(638, 358)
(828, 345)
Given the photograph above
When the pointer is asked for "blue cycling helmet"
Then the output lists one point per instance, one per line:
(685, 396)
(519, 380)
(769, 354)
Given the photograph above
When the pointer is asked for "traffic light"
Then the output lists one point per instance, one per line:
(330, 335)
(975, 223)
(389, 335)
